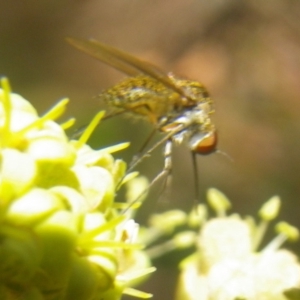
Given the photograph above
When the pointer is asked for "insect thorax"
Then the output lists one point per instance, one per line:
(145, 96)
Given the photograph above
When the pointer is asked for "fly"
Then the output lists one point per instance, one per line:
(178, 107)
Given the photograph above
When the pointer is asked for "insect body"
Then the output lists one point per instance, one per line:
(178, 107)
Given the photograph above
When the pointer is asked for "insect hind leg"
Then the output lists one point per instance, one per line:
(167, 170)
(164, 173)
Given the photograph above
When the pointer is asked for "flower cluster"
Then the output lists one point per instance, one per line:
(229, 262)
(62, 236)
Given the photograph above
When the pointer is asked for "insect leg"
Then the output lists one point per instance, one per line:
(138, 159)
(165, 139)
(166, 172)
(196, 178)
(138, 156)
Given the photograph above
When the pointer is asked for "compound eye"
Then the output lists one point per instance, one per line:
(204, 143)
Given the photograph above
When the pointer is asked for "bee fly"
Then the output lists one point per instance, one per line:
(180, 108)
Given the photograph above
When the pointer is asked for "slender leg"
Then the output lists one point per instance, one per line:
(165, 139)
(166, 172)
(196, 178)
(140, 158)
(137, 157)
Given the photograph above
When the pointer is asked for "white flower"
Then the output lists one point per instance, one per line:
(228, 266)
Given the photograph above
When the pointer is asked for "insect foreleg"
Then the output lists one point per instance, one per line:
(165, 139)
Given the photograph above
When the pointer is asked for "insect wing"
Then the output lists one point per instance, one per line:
(105, 54)
(124, 62)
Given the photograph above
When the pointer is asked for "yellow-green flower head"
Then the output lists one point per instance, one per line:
(61, 235)
(228, 264)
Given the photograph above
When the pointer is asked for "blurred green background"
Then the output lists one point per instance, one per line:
(247, 53)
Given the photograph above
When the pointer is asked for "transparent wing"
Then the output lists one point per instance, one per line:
(124, 62)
